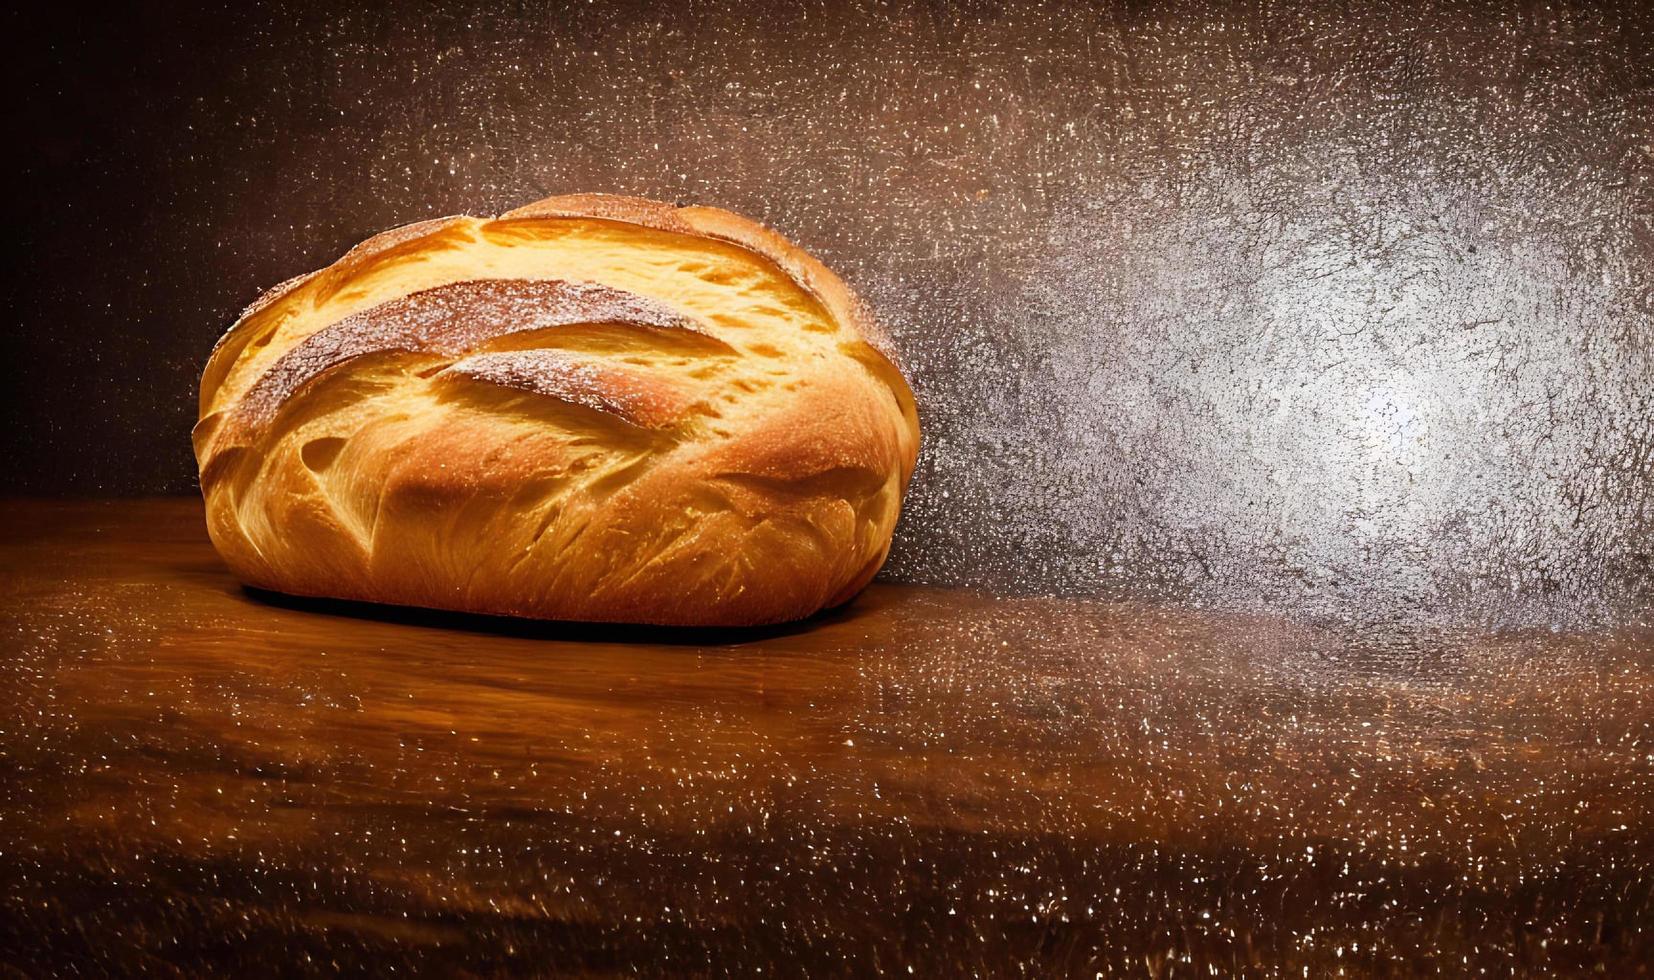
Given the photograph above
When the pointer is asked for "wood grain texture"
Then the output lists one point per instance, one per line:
(201, 779)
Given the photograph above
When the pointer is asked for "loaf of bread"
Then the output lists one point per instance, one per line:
(591, 408)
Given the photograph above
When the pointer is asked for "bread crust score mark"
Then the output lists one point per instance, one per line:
(590, 408)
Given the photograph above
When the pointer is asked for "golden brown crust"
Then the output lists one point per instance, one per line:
(383, 245)
(641, 399)
(592, 407)
(827, 288)
(450, 319)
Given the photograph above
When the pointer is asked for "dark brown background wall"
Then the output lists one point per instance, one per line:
(1346, 308)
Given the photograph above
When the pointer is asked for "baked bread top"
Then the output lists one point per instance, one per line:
(592, 408)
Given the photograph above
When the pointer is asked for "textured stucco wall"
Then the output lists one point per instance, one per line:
(1340, 308)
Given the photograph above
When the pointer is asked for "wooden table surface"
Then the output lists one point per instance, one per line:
(200, 779)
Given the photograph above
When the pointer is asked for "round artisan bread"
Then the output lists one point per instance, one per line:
(591, 408)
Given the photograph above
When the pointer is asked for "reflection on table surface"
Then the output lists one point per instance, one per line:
(199, 777)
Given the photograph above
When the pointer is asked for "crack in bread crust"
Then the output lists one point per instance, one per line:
(641, 399)
(385, 244)
(452, 319)
(592, 408)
